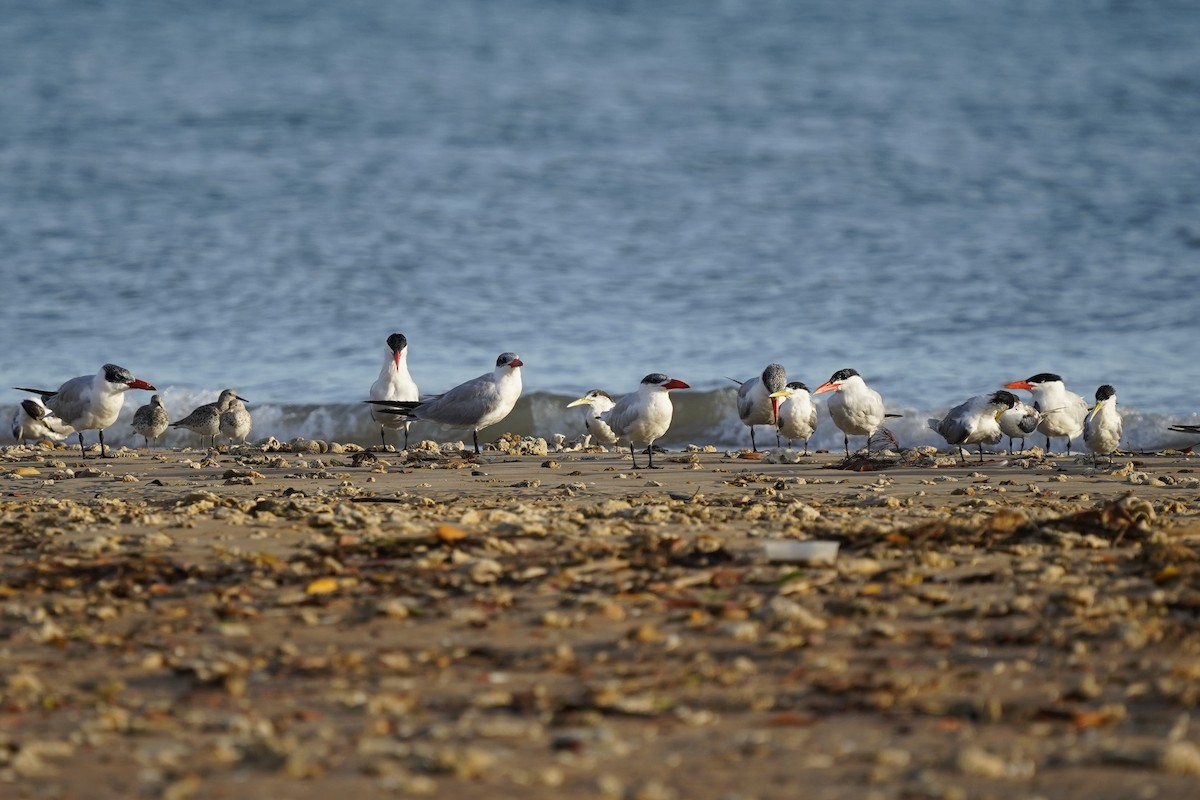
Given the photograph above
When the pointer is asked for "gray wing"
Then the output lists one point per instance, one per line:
(71, 399)
(745, 403)
(462, 405)
(954, 428)
(622, 415)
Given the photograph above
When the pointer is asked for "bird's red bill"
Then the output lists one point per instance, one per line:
(675, 384)
(1019, 385)
(137, 383)
(828, 386)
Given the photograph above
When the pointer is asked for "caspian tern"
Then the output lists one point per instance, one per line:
(1018, 422)
(855, 408)
(394, 383)
(797, 414)
(644, 415)
(977, 421)
(599, 402)
(32, 420)
(1062, 411)
(476, 404)
(91, 402)
(235, 421)
(756, 400)
(206, 419)
(150, 421)
(1102, 426)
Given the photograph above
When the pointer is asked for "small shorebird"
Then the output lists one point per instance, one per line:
(855, 408)
(977, 421)
(206, 419)
(797, 413)
(598, 401)
(394, 383)
(151, 420)
(1062, 411)
(235, 421)
(757, 403)
(1018, 422)
(476, 404)
(32, 420)
(1102, 426)
(644, 415)
(91, 402)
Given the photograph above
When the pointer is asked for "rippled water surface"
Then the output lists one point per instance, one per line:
(944, 195)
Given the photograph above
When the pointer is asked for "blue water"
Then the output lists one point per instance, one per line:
(944, 194)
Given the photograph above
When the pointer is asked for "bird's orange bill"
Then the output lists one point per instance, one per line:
(1019, 385)
(828, 386)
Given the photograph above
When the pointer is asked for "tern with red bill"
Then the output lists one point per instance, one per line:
(1102, 427)
(757, 403)
(644, 415)
(394, 383)
(476, 404)
(91, 402)
(855, 408)
(797, 414)
(1062, 411)
(977, 421)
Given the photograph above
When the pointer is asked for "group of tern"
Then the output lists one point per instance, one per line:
(93, 402)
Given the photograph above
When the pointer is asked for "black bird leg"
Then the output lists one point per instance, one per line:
(82, 451)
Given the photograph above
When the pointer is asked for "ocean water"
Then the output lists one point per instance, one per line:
(943, 194)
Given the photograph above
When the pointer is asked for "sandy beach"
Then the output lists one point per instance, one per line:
(271, 623)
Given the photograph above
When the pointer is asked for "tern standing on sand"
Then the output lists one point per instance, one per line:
(394, 383)
(797, 413)
(1102, 427)
(598, 402)
(91, 402)
(32, 420)
(1018, 422)
(151, 420)
(976, 421)
(644, 415)
(757, 403)
(855, 407)
(1062, 411)
(206, 419)
(476, 404)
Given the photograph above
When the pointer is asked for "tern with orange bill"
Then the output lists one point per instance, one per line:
(91, 402)
(644, 415)
(1062, 410)
(855, 408)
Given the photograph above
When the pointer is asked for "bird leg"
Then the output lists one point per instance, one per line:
(405, 437)
(753, 446)
(82, 451)
(981, 452)
(633, 454)
(846, 442)
(475, 438)
(382, 438)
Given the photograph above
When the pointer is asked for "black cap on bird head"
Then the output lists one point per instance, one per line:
(397, 342)
(115, 374)
(797, 385)
(1105, 392)
(843, 374)
(1003, 398)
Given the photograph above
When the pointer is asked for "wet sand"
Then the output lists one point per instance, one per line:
(283, 624)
